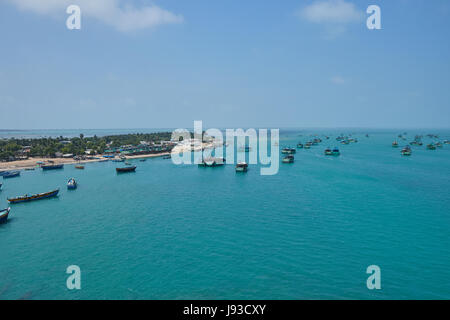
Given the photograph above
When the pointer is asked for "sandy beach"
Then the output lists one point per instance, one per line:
(33, 162)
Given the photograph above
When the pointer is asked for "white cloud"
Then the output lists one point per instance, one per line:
(337, 80)
(116, 13)
(331, 11)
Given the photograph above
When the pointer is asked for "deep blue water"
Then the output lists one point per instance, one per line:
(183, 232)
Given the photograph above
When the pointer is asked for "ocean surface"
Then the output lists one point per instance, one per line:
(183, 232)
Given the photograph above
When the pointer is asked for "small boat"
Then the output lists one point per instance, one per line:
(406, 151)
(1, 184)
(212, 162)
(29, 169)
(307, 145)
(39, 196)
(126, 169)
(288, 159)
(345, 141)
(242, 167)
(79, 167)
(52, 166)
(167, 157)
(394, 144)
(72, 184)
(2, 173)
(446, 141)
(438, 144)
(300, 146)
(288, 151)
(143, 160)
(336, 152)
(11, 174)
(431, 146)
(328, 152)
(4, 215)
(118, 160)
(127, 163)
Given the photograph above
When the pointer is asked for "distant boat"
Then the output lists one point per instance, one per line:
(72, 184)
(242, 167)
(1, 184)
(127, 163)
(431, 146)
(126, 169)
(406, 151)
(4, 215)
(118, 160)
(288, 159)
(39, 196)
(395, 144)
(288, 151)
(29, 169)
(336, 152)
(2, 173)
(143, 160)
(79, 167)
(167, 157)
(11, 174)
(52, 166)
(328, 152)
(212, 162)
(299, 145)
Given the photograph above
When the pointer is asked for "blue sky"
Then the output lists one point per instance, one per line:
(166, 63)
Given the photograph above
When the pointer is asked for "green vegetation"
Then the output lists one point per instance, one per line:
(11, 149)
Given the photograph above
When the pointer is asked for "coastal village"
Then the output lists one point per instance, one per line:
(29, 153)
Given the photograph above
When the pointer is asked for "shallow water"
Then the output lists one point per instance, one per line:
(183, 232)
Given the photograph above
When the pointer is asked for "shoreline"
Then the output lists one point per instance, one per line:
(31, 163)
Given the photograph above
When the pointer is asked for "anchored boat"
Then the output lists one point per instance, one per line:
(288, 151)
(300, 145)
(79, 167)
(39, 196)
(288, 159)
(328, 152)
(406, 151)
(126, 169)
(72, 184)
(242, 167)
(336, 152)
(212, 162)
(394, 144)
(4, 215)
(11, 174)
(431, 146)
(52, 166)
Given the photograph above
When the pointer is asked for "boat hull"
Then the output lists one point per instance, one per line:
(52, 167)
(4, 215)
(11, 175)
(124, 170)
(35, 197)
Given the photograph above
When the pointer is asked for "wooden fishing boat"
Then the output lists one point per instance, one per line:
(126, 169)
(288, 151)
(72, 184)
(288, 159)
(79, 167)
(11, 174)
(406, 151)
(52, 166)
(242, 167)
(39, 196)
(212, 162)
(4, 215)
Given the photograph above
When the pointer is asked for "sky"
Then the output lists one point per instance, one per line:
(231, 64)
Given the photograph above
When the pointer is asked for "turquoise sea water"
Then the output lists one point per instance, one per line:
(183, 232)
